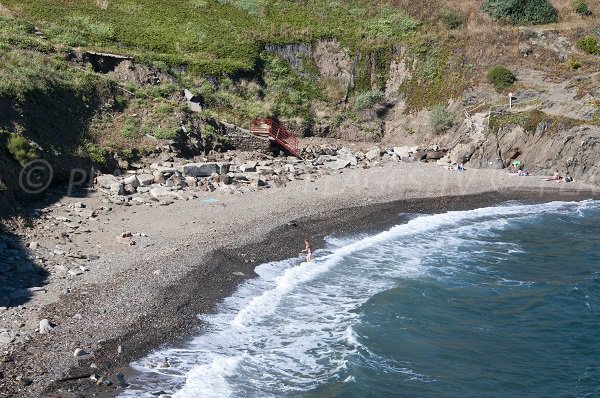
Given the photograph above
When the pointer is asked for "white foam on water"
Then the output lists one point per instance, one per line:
(291, 329)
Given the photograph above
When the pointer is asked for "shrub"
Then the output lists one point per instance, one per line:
(368, 99)
(96, 153)
(520, 12)
(451, 19)
(20, 149)
(165, 133)
(589, 44)
(501, 77)
(441, 120)
(581, 7)
(575, 64)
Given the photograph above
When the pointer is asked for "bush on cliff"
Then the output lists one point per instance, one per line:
(589, 44)
(581, 7)
(441, 120)
(501, 77)
(20, 149)
(521, 12)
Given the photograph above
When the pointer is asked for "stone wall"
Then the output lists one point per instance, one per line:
(244, 140)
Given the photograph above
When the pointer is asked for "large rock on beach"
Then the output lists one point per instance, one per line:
(106, 180)
(402, 151)
(205, 169)
(338, 164)
(373, 154)
(346, 155)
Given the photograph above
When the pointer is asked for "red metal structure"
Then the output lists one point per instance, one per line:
(270, 128)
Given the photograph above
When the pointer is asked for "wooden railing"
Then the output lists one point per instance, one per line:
(272, 129)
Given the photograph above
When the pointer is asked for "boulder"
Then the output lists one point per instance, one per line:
(132, 180)
(160, 192)
(402, 151)
(204, 169)
(373, 154)
(265, 170)
(435, 155)
(248, 167)
(45, 326)
(338, 164)
(145, 179)
(346, 154)
(106, 180)
(420, 154)
(117, 188)
(159, 178)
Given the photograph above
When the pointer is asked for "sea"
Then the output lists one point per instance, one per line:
(502, 301)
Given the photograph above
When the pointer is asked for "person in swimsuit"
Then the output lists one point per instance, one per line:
(308, 251)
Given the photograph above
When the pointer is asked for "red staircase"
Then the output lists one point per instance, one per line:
(270, 128)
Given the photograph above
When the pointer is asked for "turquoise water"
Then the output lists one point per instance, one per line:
(495, 302)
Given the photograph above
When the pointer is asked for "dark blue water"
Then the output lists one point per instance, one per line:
(496, 302)
(506, 323)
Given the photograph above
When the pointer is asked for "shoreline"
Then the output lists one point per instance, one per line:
(363, 220)
(129, 304)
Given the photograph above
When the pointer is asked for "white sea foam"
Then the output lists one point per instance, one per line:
(291, 329)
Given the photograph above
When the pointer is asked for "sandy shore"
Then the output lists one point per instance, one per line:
(190, 255)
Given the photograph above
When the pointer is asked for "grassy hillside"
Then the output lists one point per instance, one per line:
(211, 36)
(217, 49)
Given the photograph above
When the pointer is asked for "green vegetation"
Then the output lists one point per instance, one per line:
(437, 75)
(165, 133)
(441, 120)
(368, 99)
(501, 77)
(581, 7)
(451, 19)
(589, 44)
(531, 120)
(521, 12)
(95, 153)
(20, 149)
(213, 36)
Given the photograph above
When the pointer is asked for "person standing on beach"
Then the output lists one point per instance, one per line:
(308, 251)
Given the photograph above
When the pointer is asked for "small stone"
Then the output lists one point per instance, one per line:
(26, 381)
(75, 271)
(34, 245)
(80, 353)
(45, 326)
(79, 317)
(96, 378)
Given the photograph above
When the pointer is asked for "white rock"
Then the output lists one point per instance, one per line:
(133, 181)
(373, 153)
(338, 164)
(80, 353)
(347, 155)
(106, 180)
(117, 188)
(402, 151)
(45, 326)
(248, 167)
(145, 179)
